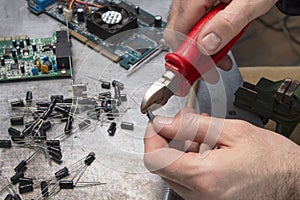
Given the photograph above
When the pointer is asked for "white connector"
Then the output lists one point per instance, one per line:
(68, 14)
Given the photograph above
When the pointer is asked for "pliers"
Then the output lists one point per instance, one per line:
(184, 67)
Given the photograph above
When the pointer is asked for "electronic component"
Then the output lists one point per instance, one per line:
(37, 6)
(34, 59)
(114, 28)
(16, 121)
(127, 126)
(112, 129)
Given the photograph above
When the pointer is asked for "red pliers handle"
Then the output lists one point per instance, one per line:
(188, 63)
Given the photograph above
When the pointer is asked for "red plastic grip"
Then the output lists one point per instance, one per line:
(188, 63)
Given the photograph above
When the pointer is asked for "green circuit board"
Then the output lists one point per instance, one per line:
(25, 58)
(127, 47)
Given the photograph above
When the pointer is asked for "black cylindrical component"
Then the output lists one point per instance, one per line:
(158, 21)
(28, 97)
(17, 197)
(60, 9)
(56, 154)
(42, 134)
(18, 50)
(34, 48)
(137, 9)
(66, 184)
(249, 86)
(14, 53)
(105, 95)
(2, 61)
(44, 189)
(35, 115)
(25, 181)
(8, 197)
(56, 160)
(54, 49)
(46, 126)
(59, 98)
(62, 173)
(19, 103)
(105, 85)
(90, 158)
(14, 43)
(116, 83)
(52, 143)
(16, 60)
(15, 178)
(27, 39)
(6, 144)
(48, 112)
(123, 97)
(22, 68)
(18, 139)
(80, 15)
(150, 116)
(13, 132)
(48, 64)
(127, 126)
(21, 44)
(21, 166)
(27, 124)
(42, 104)
(112, 129)
(16, 121)
(69, 125)
(25, 188)
(62, 110)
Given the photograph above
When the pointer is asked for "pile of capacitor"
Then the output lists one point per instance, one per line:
(104, 108)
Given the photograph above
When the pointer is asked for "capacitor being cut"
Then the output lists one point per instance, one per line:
(60, 9)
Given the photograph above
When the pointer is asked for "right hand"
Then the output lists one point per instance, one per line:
(219, 30)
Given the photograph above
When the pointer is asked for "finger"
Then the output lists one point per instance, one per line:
(228, 23)
(182, 18)
(194, 127)
(191, 146)
(225, 63)
(152, 140)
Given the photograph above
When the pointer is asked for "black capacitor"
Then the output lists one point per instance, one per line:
(90, 158)
(49, 110)
(19, 103)
(123, 97)
(17, 197)
(62, 110)
(127, 126)
(44, 189)
(14, 53)
(47, 126)
(18, 50)
(60, 9)
(21, 44)
(34, 48)
(68, 100)
(27, 124)
(6, 144)
(69, 125)
(21, 167)
(8, 197)
(15, 178)
(42, 135)
(158, 21)
(116, 83)
(25, 188)
(59, 98)
(18, 139)
(62, 173)
(48, 64)
(35, 115)
(27, 39)
(53, 143)
(54, 154)
(43, 104)
(14, 43)
(28, 97)
(13, 132)
(22, 68)
(25, 181)
(2, 61)
(112, 129)
(137, 9)
(66, 184)
(105, 85)
(16, 121)
(16, 60)
(56, 160)
(80, 15)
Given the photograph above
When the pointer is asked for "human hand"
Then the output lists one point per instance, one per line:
(249, 163)
(221, 29)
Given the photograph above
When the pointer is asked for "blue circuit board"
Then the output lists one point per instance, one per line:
(140, 35)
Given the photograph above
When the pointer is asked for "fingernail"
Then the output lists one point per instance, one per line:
(161, 121)
(211, 42)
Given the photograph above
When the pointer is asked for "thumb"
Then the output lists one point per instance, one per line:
(225, 25)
